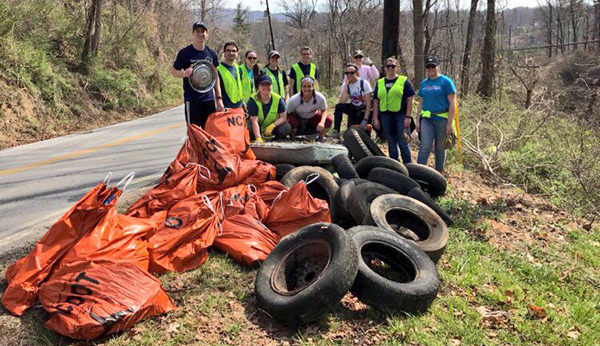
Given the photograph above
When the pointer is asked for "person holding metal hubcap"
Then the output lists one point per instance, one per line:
(435, 115)
(392, 109)
(198, 105)
(267, 113)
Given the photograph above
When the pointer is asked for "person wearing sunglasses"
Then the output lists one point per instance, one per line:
(250, 73)
(358, 92)
(435, 114)
(392, 109)
(198, 106)
(267, 113)
(304, 68)
(278, 77)
(230, 77)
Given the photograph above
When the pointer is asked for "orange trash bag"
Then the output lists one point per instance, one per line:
(225, 168)
(88, 300)
(118, 238)
(295, 209)
(174, 186)
(230, 128)
(246, 239)
(26, 274)
(270, 190)
(183, 238)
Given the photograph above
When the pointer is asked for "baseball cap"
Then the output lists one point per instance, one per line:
(368, 61)
(432, 60)
(199, 24)
(273, 52)
(264, 79)
(358, 53)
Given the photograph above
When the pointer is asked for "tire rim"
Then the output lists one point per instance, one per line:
(388, 262)
(301, 267)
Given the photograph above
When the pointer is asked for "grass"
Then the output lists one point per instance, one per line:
(489, 296)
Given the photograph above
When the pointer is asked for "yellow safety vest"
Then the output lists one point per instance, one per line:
(392, 100)
(233, 86)
(272, 115)
(278, 86)
(247, 83)
(312, 72)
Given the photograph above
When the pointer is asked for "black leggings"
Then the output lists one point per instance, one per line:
(197, 112)
(355, 115)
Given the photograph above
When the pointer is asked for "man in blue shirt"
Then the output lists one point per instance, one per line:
(198, 106)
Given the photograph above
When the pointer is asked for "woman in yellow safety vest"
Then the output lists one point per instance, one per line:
(278, 78)
(250, 73)
(267, 113)
(435, 114)
(392, 109)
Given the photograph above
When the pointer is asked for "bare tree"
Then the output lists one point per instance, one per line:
(418, 43)
(488, 70)
(464, 73)
(300, 13)
(92, 33)
(391, 27)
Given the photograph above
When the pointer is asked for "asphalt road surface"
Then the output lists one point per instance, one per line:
(40, 181)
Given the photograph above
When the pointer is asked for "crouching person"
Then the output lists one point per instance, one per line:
(268, 119)
(307, 111)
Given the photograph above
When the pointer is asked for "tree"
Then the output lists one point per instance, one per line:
(300, 13)
(391, 27)
(488, 69)
(240, 21)
(92, 34)
(419, 60)
(464, 73)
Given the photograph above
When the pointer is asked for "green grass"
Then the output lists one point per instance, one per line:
(216, 302)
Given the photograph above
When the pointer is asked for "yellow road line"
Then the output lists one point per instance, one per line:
(87, 151)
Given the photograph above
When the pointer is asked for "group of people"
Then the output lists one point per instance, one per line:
(281, 104)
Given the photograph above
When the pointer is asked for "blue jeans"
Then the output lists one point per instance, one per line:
(433, 129)
(393, 127)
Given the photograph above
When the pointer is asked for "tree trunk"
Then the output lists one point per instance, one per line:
(488, 69)
(97, 28)
(464, 73)
(419, 59)
(391, 27)
(597, 21)
(85, 53)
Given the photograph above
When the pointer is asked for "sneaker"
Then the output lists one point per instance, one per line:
(334, 133)
(320, 139)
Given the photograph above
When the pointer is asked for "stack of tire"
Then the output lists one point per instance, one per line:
(387, 234)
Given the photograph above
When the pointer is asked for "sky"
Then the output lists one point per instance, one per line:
(274, 4)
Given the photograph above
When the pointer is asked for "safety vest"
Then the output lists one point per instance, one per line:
(272, 115)
(278, 87)
(247, 83)
(428, 114)
(390, 100)
(233, 86)
(312, 72)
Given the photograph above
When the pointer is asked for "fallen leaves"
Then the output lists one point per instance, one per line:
(493, 318)
(573, 333)
(537, 312)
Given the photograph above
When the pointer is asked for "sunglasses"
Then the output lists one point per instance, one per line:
(251, 58)
(390, 66)
(430, 66)
(349, 73)
(358, 57)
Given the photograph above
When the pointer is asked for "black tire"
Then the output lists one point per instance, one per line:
(421, 196)
(364, 166)
(355, 145)
(324, 187)
(344, 167)
(359, 202)
(340, 212)
(282, 169)
(306, 274)
(431, 181)
(408, 282)
(392, 179)
(369, 143)
(413, 220)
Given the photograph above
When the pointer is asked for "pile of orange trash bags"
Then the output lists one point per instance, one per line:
(91, 271)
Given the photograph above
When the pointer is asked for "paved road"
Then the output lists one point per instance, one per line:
(40, 181)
